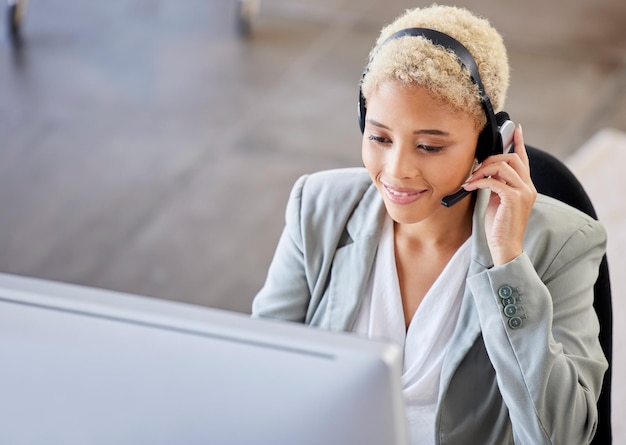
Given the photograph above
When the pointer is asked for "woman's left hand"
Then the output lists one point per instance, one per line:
(512, 197)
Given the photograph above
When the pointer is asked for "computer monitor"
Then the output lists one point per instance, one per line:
(90, 366)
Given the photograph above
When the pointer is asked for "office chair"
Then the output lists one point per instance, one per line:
(551, 177)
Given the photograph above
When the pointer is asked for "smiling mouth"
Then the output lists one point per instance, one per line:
(397, 193)
(401, 192)
(402, 196)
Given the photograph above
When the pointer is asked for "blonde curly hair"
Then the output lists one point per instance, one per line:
(416, 61)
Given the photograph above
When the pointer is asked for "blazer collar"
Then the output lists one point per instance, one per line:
(480, 248)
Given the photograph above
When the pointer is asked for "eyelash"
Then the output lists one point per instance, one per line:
(430, 148)
(427, 148)
(379, 139)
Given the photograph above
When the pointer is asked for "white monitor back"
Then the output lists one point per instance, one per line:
(87, 366)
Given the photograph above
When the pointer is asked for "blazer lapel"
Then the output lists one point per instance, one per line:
(353, 261)
(468, 325)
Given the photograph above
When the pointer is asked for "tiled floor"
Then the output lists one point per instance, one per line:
(147, 148)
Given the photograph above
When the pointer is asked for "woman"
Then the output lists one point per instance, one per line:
(491, 298)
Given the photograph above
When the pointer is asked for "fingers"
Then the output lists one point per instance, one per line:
(507, 168)
(495, 176)
(518, 142)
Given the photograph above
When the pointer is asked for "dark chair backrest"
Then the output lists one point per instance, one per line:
(551, 177)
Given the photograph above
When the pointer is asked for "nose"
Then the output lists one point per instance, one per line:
(402, 162)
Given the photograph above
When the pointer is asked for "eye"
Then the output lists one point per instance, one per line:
(430, 148)
(379, 139)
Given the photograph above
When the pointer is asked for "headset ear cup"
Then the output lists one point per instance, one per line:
(502, 117)
(484, 146)
(489, 141)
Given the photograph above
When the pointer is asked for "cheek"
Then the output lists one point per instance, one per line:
(462, 171)
(368, 157)
(449, 172)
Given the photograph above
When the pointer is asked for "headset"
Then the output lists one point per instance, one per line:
(498, 132)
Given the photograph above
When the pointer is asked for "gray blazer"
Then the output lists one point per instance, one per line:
(530, 374)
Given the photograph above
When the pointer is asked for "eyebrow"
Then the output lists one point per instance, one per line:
(425, 131)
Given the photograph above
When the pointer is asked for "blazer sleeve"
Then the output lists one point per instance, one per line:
(541, 333)
(285, 294)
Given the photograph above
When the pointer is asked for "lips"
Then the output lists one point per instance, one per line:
(402, 195)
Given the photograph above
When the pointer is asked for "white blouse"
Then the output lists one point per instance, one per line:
(426, 339)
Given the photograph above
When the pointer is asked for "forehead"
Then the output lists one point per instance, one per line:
(393, 99)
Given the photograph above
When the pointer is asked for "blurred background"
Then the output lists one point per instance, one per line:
(149, 146)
